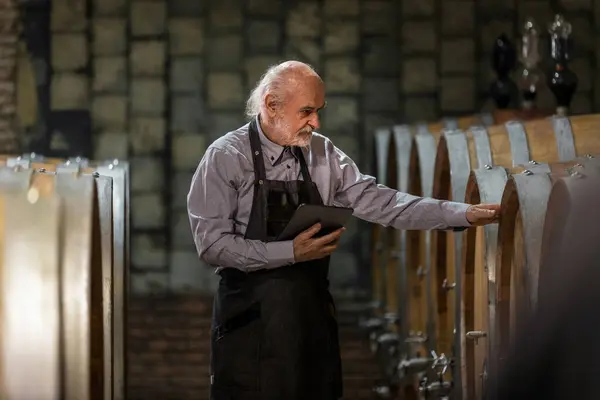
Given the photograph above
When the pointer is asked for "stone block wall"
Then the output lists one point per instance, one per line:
(162, 80)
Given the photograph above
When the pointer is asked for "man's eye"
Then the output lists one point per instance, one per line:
(307, 112)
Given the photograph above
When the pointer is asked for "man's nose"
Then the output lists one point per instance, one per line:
(314, 122)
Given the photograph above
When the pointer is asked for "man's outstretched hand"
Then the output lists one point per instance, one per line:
(307, 247)
(483, 214)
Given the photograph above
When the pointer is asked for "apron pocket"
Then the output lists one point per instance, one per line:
(236, 350)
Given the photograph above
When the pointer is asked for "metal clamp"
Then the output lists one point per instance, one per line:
(413, 366)
(447, 286)
(416, 338)
(475, 335)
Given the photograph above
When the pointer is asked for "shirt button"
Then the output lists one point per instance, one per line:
(289, 166)
(272, 158)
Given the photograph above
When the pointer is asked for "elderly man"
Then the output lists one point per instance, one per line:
(274, 336)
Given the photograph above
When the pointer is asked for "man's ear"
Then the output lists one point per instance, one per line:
(271, 104)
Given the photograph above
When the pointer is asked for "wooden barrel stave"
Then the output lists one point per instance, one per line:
(113, 239)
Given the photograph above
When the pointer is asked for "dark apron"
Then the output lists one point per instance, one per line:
(274, 335)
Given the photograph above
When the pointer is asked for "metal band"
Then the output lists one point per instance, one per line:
(18, 162)
(77, 193)
(33, 157)
(15, 179)
(119, 172)
(482, 146)
(104, 194)
(450, 123)
(68, 167)
(536, 168)
(534, 192)
(460, 164)
(423, 128)
(403, 143)
(519, 147)
(426, 149)
(565, 144)
(487, 119)
(491, 184)
(82, 161)
(382, 144)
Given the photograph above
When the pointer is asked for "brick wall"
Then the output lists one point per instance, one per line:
(9, 29)
(161, 79)
(168, 348)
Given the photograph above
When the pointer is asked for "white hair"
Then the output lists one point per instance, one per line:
(275, 81)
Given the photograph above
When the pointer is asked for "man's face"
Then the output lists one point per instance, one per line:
(298, 117)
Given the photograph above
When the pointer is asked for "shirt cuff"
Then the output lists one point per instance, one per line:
(456, 214)
(280, 253)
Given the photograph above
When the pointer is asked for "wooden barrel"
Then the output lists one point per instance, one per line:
(58, 244)
(485, 185)
(115, 305)
(524, 204)
(514, 143)
(570, 227)
(419, 143)
(423, 148)
(572, 211)
(559, 340)
(393, 146)
(545, 140)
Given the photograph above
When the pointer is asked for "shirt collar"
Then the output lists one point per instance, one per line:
(273, 151)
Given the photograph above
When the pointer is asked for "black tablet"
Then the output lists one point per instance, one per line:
(306, 215)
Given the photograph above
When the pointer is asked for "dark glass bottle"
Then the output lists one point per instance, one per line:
(529, 58)
(504, 59)
(561, 80)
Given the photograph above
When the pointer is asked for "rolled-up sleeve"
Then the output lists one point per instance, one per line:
(212, 204)
(382, 205)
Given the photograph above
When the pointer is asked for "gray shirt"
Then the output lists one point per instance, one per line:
(220, 198)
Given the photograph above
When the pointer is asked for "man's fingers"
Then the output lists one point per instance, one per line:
(330, 237)
(488, 207)
(312, 231)
(330, 248)
(484, 212)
